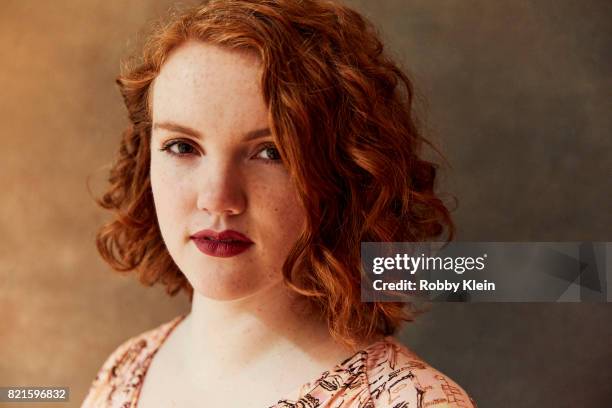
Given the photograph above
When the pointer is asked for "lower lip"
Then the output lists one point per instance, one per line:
(222, 249)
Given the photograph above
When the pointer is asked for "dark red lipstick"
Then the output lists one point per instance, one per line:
(221, 244)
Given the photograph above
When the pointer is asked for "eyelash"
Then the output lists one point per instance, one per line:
(166, 148)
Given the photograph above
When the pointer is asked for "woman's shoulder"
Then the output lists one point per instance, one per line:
(397, 377)
(385, 374)
(123, 370)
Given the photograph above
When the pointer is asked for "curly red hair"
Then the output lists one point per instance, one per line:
(342, 116)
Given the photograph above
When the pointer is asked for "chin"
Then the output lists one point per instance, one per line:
(217, 288)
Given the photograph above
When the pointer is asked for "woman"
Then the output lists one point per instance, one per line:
(267, 140)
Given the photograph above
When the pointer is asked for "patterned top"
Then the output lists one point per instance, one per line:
(383, 375)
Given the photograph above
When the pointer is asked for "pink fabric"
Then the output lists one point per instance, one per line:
(383, 375)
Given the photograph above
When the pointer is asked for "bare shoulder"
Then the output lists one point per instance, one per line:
(124, 368)
(398, 378)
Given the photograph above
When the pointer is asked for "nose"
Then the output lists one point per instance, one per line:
(221, 189)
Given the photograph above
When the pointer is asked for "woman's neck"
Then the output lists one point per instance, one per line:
(267, 332)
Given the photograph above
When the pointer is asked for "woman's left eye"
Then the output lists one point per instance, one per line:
(269, 153)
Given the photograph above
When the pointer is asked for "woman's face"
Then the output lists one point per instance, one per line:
(214, 166)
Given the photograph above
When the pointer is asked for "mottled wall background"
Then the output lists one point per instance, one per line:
(518, 97)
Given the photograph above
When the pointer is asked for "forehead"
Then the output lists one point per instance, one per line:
(200, 82)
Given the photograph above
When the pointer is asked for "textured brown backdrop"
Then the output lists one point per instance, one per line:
(518, 97)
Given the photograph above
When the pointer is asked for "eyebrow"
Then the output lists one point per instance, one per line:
(175, 127)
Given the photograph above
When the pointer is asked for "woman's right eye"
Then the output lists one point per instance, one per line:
(178, 148)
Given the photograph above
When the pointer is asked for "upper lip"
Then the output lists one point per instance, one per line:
(223, 235)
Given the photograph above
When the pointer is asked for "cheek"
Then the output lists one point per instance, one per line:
(170, 195)
(280, 214)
